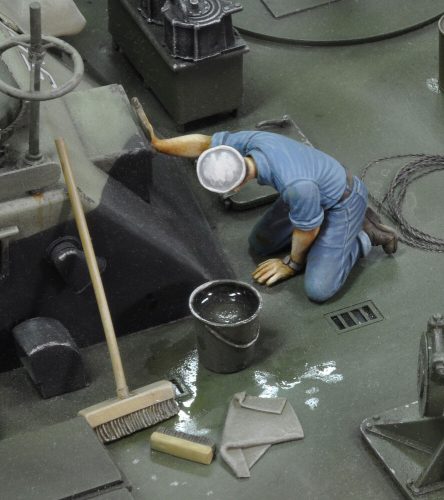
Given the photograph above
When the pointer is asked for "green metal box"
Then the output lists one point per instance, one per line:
(188, 90)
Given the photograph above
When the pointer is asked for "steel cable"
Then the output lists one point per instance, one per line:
(392, 202)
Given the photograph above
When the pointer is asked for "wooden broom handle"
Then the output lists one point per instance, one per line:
(116, 361)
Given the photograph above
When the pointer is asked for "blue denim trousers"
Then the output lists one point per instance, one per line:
(340, 243)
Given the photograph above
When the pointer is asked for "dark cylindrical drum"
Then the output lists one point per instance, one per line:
(227, 324)
(441, 53)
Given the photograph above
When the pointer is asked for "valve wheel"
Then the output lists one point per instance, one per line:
(48, 42)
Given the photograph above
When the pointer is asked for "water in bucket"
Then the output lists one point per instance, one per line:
(227, 324)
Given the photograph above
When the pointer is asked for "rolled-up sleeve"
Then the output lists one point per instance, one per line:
(237, 140)
(304, 201)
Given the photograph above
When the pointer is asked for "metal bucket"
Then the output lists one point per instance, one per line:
(227, 324)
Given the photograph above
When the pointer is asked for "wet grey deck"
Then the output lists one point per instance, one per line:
(356, 103)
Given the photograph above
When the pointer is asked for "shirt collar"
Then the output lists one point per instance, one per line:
(264, 175)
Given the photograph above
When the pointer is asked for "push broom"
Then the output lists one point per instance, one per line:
(130, 411)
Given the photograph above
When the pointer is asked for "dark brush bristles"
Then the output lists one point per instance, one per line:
(136, 421)
(189, 437)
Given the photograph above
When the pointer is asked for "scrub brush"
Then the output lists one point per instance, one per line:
(180, 444)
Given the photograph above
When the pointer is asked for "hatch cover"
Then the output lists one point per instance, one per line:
(282, 8)
(323, 22)
(356, 316)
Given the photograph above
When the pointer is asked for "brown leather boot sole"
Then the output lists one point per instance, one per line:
(388, 239)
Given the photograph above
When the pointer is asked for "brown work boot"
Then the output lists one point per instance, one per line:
(379, 233)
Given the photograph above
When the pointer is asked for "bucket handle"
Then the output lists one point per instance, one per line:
(232, 344)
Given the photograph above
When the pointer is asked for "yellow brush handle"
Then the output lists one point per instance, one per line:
(116, 361)
(182, 448)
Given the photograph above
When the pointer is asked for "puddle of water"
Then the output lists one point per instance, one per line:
(186, 423)
(312, 403)
(433, 85)
(312, 390)
(269, 389)
(325, 372)
(187, 370)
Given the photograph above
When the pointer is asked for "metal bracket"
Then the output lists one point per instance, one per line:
(432, 477)
(411, 448)
(419, 470)
(5, 235)
(418, 435)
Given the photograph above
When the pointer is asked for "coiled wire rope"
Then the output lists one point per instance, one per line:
(392, 202)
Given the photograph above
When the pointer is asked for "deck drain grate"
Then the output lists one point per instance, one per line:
(356, 316)
(181, 390)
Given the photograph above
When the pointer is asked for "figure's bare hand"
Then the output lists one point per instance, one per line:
(146, 124)
(187, 146)
(271, 271)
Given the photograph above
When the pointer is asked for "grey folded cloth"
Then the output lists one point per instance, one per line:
(252, 425)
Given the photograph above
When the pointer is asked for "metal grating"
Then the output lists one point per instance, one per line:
(353, 317)
(180, 388)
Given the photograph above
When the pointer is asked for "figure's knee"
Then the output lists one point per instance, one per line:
(320, 288)
(317, 292)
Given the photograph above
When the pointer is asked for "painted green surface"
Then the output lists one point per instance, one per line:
(356, 103)
(120, 494)
(89, 110)
(343, 20)
(281, 8)
(64, 460)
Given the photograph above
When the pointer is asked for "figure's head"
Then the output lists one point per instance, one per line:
(221, 169)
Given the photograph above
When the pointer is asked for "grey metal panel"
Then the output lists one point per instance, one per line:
(93, 111)
(60, 461)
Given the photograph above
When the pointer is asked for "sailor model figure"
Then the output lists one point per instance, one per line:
(321, 214)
